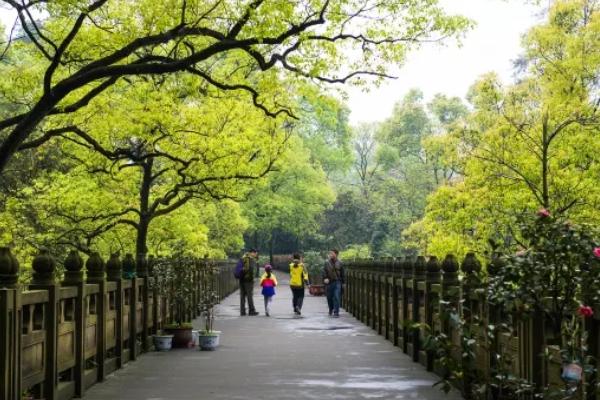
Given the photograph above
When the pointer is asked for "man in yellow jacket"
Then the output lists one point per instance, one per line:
(298, 279)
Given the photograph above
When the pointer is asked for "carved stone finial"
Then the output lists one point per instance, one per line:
(9, 268)
(43, 268)
(433, 270)
(95, 268)
(129, 271)
(471, 268)
(419, 269)
(73, 268)
(114, 267)
(450, 271)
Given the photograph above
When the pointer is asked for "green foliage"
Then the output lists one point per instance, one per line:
(398, 163)
(292, 199)
(313, 262)
(554, 273)
(176, 157)
(355, 251)
(526, 145)
(87, 47)
(551, 280)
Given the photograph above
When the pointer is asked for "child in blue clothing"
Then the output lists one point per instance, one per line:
(268, 282)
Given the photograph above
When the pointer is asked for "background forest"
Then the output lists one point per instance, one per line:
(212, 164)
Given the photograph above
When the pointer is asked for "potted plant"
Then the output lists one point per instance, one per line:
(175, 281)
(313, 261)
(208, 338)
(163, 341)
(160, 280)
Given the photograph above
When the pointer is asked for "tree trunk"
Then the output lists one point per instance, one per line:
(545, 162)
(141, 248)
(271, 240)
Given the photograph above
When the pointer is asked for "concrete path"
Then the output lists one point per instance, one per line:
(277, 358)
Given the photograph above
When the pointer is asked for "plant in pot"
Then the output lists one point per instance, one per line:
(208, 338)
(181, 294)
(160, 282)
(313, 262)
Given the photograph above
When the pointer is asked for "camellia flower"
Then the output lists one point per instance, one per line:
(597, 252)
(585, 311)
(543, 213)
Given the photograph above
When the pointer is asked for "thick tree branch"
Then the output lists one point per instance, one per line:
(56, 59)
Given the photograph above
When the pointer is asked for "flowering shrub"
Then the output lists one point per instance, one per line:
(554, 278)
(585, 311)
(543, 213)
(553, 275)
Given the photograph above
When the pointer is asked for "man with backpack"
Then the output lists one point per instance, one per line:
(333, 278)
(244, 272)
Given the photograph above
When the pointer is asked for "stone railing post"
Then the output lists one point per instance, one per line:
(74, 277)
(418, 315)
(451, 296)
(361, 305)
(44, 268)
(10, 331)
(156, 301)
(475, 320)
(96, 274)
(432, 294)
(396, 301)
(370, 292)
(406, 320)
(114, 272)
(142, 272)
(388, 285)
(130, 273)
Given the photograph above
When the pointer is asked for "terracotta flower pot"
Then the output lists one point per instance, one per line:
(182, 337)
(316, 290)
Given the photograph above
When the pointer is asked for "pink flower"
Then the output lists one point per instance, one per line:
(585, 311)
(597, 252)
(542, 212)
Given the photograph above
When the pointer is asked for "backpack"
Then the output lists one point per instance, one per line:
(238, 272)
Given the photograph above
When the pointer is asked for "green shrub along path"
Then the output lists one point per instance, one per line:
(277, 357)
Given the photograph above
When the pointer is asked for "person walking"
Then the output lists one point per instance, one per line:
(268, 281)
(298, 279)
(247, 282)
(333, 278)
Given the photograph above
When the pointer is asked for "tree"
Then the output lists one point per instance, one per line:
(405, 180)
(292, 199)
(83, 48)
(531, 144)
(325, 130)
(366, 164)
(139, 161)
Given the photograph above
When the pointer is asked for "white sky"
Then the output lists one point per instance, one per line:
(450, 69)
(490, 46)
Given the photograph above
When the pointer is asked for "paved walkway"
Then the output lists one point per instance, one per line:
(277, 358)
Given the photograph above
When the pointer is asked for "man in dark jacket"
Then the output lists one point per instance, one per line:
(247, 282)
(333, 278)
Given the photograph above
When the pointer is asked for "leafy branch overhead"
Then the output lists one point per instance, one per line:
(80, 49)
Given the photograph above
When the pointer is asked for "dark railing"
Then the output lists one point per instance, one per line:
(408, 300)
(59, 338)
